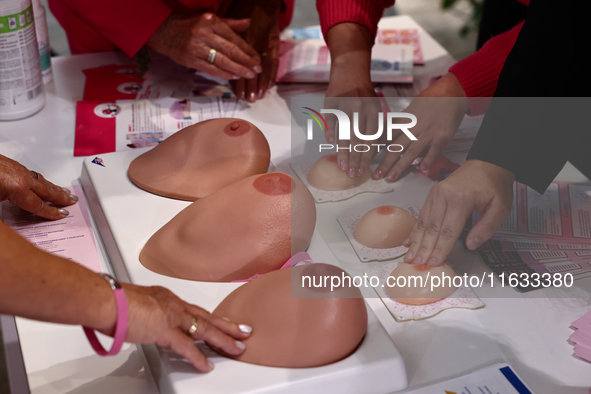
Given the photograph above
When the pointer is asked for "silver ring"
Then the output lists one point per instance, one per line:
(35, 175)
(211, 56)
(193, 327)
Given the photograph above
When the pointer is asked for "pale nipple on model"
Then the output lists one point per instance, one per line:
(242, 230)
(384, 227)
(202, 158)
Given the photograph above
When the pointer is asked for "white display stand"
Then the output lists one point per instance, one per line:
(127, 216)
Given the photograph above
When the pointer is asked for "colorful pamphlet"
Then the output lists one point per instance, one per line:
(309, 61)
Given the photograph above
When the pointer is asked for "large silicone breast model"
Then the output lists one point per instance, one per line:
(290, 331)
(202, 158)
(325, 175)
(412, 293)
(242, 230)
(384, 227)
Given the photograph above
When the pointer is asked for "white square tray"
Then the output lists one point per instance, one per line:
(127, 217)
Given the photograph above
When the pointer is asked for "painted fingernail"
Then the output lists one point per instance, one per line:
(474, 242)
(360, 171)
(423, 167)
(250, 75)
(352, 172)
(258, 69)
(260, 93)
(391, 176)
(211, 365)
(64, 212)
(343, 165)
(240, 345)
(432, 262)
(330, 139)
(74, 197)
(252, 97)
(245, 328)
(417, 260)
(377, 174)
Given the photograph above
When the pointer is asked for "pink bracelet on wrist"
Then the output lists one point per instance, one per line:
(120, 326)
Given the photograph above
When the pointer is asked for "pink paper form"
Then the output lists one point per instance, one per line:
(71, 237)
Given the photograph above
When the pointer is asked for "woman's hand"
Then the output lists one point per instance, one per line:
(30, 191)
(158, 316)
(263, 36)
(439, 110)
(476, 186)
(188, 39)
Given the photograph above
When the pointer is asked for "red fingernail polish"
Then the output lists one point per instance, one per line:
(343, 165)
(391, 176)
(377, 174)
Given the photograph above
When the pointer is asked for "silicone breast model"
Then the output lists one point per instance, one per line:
(384, 227)
(412, 294)
(325, 175)
(296, 332)
(242, 230)
(202, 158)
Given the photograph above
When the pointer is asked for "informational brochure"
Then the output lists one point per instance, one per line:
(561, 215)
(71, 237)
(538, 271)
(164, 79)
(309, 61)
(384, 36)
(498, 379)
(127, 124)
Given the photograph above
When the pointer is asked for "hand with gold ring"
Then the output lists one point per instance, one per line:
(156, 315)
(30, 191)
(208, 43)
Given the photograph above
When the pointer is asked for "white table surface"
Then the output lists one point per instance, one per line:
(530, 334)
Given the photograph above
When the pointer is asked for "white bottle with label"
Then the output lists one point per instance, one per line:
(21, 84)
(43, 41)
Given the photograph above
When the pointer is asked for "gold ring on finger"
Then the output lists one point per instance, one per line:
(193, 327)
(211, 56)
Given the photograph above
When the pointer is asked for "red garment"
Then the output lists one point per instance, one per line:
(478, 74)
(364, 12)
(108, 25)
